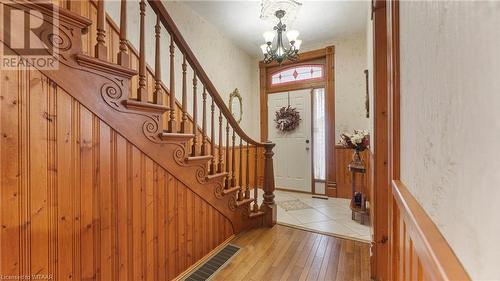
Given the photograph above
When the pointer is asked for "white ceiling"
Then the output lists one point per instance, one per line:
(317, 21)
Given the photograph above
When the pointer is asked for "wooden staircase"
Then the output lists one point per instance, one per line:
(202, 146)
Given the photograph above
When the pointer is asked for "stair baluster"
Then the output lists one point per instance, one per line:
(240, 172)
(233, 161)
(123, 56)
(142, 94)
(204, 122)
(255, 182)
(195, 115)
(220, 163)
(184, 97)
(158, 96)
(172, 127)
(228, 177)
(212, 137)
(247, 173)
(101, 51)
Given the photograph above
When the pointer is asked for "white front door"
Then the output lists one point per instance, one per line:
(292, 158)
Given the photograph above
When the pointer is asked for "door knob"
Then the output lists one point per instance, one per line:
(307, 141)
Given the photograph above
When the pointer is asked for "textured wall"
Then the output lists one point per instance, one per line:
(350, 91)
(450, 128)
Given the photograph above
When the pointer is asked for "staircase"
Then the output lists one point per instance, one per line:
(195, 139)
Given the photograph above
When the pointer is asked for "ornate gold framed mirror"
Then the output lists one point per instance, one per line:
(236, 105)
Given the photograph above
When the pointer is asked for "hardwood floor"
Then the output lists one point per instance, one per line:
(285, 253)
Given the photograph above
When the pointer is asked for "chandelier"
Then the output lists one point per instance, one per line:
(280, 52)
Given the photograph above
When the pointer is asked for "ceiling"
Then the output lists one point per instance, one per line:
(317, 21)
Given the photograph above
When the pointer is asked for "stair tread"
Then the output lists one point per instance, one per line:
(105, 66)
(230, 190)
(217, 175)
(199, 158)
(146, 106)
(177, 136)
(256, 214)
(244, 201)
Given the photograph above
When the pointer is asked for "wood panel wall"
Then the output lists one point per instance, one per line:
(343, 156)
(418, 250)
(80, 202)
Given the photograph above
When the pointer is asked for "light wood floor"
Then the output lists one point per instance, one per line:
(285, 253)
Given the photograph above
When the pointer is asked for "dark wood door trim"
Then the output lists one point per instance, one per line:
(328, 55)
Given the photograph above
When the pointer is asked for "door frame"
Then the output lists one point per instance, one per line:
(327, 55)
(386, 157)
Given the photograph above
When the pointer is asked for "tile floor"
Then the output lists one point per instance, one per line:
(330, 216)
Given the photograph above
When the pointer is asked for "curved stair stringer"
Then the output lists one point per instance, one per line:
(103, 89)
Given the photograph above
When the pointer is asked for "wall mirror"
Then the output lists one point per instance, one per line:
(236, 105)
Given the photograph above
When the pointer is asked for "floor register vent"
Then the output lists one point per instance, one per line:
(214, 264)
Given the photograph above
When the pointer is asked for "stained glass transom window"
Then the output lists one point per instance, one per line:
(297, 73)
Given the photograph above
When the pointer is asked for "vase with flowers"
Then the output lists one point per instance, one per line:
(359, 141)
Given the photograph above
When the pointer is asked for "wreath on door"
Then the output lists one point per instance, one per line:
(287, 119)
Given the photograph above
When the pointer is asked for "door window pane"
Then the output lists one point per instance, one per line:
(319, 124)
(297, 73)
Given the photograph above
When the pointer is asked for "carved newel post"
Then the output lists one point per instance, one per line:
(268, 204)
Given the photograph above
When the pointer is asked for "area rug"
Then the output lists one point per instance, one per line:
(291, 205)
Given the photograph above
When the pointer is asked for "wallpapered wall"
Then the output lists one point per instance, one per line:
(450, 128)
(350, 85)
(227, 66)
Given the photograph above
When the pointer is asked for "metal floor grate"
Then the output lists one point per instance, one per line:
(205, 271)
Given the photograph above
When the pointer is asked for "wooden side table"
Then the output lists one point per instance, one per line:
(358, 172)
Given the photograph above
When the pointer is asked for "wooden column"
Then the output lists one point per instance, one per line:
(380, 203)
(268, 205)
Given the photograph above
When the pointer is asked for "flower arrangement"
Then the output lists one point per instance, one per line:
(287, 119)
(359, 140)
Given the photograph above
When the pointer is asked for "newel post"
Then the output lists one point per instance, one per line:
(268, 205)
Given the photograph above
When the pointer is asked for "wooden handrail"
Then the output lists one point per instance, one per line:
(433, 252)
(169, 24)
